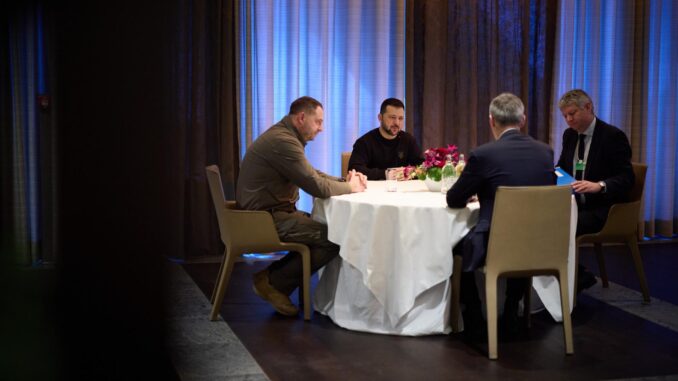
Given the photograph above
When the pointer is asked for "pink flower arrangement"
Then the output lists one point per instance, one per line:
(434, 160)
(410, 172)
(402, 173)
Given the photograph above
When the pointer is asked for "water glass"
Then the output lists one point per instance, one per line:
(392, 180)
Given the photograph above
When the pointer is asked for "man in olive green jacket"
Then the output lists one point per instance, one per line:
(274, 168)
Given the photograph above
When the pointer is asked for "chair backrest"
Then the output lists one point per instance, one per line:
(345, 156)
(217, 192)
(639, 170)
(241, 229)
(623, 218)
(530, 228)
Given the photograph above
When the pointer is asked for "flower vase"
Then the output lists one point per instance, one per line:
(432, 185)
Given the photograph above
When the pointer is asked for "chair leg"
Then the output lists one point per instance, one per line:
(598, 247)
(221, 270)
(456, 289)
(565, 305)
(491, 307)
(527, 301)
(632, 243)
(221, 285)
(306, 268)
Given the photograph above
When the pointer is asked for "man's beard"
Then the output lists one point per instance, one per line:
(387, 130)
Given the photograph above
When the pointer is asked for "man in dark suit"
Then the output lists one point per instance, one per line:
(513, 159)
(598, 156)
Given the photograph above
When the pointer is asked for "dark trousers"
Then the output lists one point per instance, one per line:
(591, 220)
(515, 289)
(286, 274)
(468, 295)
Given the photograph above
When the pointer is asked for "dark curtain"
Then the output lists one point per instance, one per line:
(27, 129)
(204, 116)
(142, 98)
(28, 193)
(116, 190)
(461, 54)
(6, 188)
(542, 40)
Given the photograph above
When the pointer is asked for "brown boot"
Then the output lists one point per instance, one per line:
(277, 299)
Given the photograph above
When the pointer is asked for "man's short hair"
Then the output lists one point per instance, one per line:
(394, 102)
(575, 97)
(507, 109)
(306, 103)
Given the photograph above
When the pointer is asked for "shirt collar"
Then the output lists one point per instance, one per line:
(287, 122)
(507, 130)
(591, 128)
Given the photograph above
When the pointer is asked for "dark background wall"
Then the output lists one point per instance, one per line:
(113, 220)
(141, 99)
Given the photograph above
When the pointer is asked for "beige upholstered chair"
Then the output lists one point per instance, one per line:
(345, 156)
(524, 241)
(244, 231)
(622, 227)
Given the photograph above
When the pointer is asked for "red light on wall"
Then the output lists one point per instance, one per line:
(43, 101)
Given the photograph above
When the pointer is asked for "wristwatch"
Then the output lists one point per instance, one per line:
(603, 186)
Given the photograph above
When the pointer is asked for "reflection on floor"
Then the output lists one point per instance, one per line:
(616, 337)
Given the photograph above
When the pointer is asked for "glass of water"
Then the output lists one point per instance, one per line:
(392, 180)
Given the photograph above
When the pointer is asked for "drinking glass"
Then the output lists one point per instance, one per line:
(392, 180)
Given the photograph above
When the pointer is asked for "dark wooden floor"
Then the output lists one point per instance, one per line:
(609, 343)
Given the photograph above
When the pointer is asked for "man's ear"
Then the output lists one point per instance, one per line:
(300, 117)
(379, 117)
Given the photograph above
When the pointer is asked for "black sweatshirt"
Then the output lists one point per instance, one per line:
(373, 154)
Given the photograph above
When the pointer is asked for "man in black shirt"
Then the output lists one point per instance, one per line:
(386, 146)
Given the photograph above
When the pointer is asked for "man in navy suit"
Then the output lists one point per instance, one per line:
(598, 156)
(514, 159)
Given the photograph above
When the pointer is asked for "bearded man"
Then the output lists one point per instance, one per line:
(386, 146)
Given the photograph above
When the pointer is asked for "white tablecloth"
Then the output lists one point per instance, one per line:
(395, 261)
